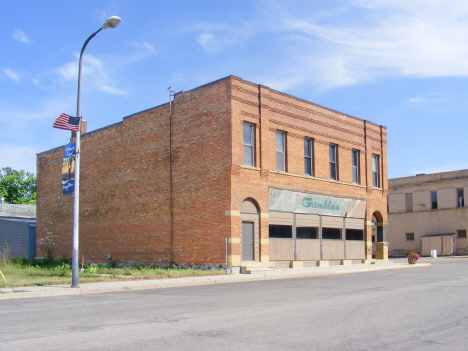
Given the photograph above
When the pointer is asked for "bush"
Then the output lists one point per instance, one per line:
(20, 261)
(5, 253)
(49, 257)
(62, 259)
(60, 271)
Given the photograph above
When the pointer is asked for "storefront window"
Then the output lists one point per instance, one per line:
(354, 234)
(331, 233)
(307, 233)
(280, 231)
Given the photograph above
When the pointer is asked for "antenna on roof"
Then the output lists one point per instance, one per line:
(171, 226)
(171, 94)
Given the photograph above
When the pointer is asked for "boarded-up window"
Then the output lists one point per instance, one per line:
(281, 151)
(409, 202)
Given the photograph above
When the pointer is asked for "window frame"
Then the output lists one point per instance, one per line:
(300, 231)
(329, 231)
(434, 203)
(280, 229)
(408, 208)
(407, 236)
(463, 231)
(333, 163)
(309, 158)
(246, 145)
(283, 135)
(355, 167)
(462, 204)
(376, 171)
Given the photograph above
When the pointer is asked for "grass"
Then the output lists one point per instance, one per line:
(21, 276)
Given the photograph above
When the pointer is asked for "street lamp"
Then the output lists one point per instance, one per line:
(111, 22)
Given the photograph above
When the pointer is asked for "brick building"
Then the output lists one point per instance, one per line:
(427, 212)
(257, 177)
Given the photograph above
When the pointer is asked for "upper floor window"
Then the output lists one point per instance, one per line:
(333, 162)
(460, 198)
(355, 165)
(281, 151)
(409, 202)
(375, 171)
(461, 233)
(433, 200)
(409, 236)
(249, 144)
(308, 157)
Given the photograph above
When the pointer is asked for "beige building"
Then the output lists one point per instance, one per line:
(427, 212)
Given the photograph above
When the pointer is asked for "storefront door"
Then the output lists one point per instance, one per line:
(247, 241)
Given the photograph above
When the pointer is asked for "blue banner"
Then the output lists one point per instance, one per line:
(68, 170)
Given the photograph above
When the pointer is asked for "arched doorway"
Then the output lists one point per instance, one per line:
(379, 236)
(249, 217)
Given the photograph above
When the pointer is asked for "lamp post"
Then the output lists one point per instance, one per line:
(111, 22)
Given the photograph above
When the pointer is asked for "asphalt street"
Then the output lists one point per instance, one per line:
(400, 309)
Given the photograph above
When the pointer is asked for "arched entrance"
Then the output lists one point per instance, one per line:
(250, 223)
(379, 236)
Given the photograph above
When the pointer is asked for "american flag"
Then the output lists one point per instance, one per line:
(67, 122)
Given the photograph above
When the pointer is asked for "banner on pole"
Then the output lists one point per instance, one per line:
(68, 170)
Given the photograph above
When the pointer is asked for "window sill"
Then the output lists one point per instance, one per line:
(251, 168)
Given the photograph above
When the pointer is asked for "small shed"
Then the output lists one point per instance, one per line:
(445, 244)
(18, 229)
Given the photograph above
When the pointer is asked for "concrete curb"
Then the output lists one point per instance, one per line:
(134, 285)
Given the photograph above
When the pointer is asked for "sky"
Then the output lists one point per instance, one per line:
(401, 64)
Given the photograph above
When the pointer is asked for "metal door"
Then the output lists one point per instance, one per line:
(247, 241)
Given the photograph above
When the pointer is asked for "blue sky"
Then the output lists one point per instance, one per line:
(402, 64)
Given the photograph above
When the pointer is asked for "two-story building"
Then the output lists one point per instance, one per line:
(231, 171)
(427, 212)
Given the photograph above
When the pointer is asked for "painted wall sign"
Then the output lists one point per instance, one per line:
(294, 201)
(68, 170)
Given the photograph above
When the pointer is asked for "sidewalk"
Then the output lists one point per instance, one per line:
(94, 288)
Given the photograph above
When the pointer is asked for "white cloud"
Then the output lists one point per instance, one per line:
(17, 115)
(18, 157)
(94, 69)
(20, 36)
(68, 71)
(13, 75)
(215, 37)
(111, 90)
(143, 45)
(417, 39)
(416, 99)
(208, 42)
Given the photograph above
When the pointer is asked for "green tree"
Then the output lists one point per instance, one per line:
(17, 187)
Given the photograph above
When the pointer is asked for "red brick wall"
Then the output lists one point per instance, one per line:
(125, 188)
(270, 111)
(125, 191)
(202, 163)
